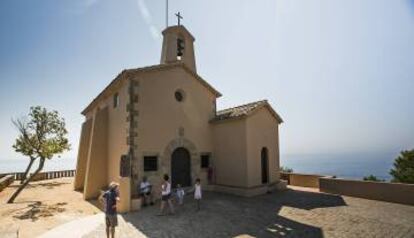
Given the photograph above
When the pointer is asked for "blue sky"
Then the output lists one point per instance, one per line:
(340, 73)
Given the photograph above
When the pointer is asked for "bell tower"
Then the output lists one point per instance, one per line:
(178, 46)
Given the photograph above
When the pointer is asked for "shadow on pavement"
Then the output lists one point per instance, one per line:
(223, 215)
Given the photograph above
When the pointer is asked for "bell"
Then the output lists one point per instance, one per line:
(180, 47)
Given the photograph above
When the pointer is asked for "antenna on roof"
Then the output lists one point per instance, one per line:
(166, 13)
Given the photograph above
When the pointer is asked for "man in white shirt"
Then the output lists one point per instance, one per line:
(145, 191)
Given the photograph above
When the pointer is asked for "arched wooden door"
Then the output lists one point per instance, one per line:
(265, 166)
(180, 168)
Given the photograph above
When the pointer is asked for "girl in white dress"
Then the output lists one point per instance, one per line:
(197, 192)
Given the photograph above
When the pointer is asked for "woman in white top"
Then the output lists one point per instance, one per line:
(197, 192)
(166, 195)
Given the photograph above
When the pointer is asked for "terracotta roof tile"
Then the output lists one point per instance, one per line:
(244, 111)
(239, 111)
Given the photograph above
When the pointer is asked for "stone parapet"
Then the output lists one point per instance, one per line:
(383, 191)
(302, 180)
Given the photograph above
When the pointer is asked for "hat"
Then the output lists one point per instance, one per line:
(113, 185)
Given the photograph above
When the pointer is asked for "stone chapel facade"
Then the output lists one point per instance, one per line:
(162, 119)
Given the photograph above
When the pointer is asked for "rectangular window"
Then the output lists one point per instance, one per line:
(205, 161)
(150, 163)
(214, 107)
(116, 100)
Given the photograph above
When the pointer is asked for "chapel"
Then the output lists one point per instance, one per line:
(162, 119)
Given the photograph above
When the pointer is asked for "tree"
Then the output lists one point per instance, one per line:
(372, 178)
(284, 169)
(40, 137)
(22, 143)
(403, 171)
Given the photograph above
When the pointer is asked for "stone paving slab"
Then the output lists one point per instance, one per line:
(76, 228)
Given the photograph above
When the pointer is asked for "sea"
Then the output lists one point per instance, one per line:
(20, 164)
(345, 165)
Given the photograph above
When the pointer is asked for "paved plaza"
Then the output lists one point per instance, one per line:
(288, 213)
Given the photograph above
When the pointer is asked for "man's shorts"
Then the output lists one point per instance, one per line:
(165, 197)
(111, 220)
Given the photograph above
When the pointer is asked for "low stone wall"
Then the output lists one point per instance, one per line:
(389, 192)
(302, 180)
(6, 181)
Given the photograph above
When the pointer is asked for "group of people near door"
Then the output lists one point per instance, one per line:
(110, 197)
(168, 195)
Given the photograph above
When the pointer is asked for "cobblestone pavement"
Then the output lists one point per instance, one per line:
(281, 214)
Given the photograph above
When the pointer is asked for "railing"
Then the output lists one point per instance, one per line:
(5, 181)
(17, 176)
(44, 175)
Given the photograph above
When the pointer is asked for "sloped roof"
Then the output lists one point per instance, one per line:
(122, 76)
(185, 67)
(177, 29)
(245, 110)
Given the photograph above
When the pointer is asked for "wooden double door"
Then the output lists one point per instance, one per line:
(181, 168)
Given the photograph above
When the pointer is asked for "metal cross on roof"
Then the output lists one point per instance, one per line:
(178, 17)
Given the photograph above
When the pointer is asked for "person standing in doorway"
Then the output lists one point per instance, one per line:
(166, 195)
(109, 199)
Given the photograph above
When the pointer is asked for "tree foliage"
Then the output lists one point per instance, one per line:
(372, 178)
(403, 171)
(285, 169)
(41, 136)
